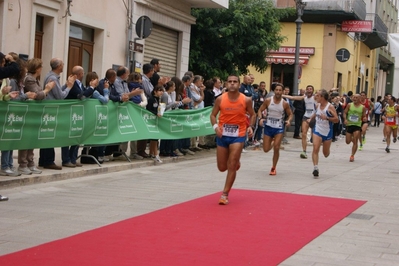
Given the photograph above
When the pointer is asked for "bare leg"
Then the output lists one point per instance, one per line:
(267, 143)
(388, 131)
(229, 159)
(356, 137)
(305, 127)
(316, 149)
(326, 148)
(276, 154)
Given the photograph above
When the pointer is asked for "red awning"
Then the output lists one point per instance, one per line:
(286, 59)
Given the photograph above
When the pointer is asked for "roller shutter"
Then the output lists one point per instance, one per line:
(162, 44)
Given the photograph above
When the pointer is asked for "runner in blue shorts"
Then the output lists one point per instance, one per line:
(325, 116)
(276, 111)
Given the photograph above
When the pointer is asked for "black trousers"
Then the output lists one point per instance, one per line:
(46, 156)
(298, 122)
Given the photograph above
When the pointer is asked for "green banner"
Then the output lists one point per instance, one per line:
(46, 124)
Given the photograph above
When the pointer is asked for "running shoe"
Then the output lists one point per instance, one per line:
(224, 200)
(304, 155)
(273, 171)
(352, 158)
(156, 159)
(394, 140)
(364, 139)
(316, 173)
(387, 150)
(384, 140)
(361, 148)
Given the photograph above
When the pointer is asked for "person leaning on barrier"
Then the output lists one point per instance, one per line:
(7, 168)
(10, 67)
(92, 89)
(5, 72)
(59, 92)
(101, 93)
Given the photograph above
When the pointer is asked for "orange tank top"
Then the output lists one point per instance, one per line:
(233, 116)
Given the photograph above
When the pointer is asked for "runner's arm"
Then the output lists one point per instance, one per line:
(263, 107)
(334, 117)
(288, 111)
(252, 116)
(346, 113)
(215, 111)
(295, 98)
(364, 115)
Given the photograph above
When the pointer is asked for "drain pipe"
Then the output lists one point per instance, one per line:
(130, 32)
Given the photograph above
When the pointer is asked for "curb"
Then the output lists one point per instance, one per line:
(91, 169)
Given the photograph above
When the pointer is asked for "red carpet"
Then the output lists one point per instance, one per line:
(256, 228)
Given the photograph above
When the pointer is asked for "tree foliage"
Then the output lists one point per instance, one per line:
(225, 41)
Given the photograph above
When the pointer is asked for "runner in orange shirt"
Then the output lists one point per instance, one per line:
(231, 130)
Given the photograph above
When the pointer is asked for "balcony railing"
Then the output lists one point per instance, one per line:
(379, 36)
(357, 7)
(328, 11)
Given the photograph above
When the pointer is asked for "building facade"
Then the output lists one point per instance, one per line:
(99, 35)
(343, 44)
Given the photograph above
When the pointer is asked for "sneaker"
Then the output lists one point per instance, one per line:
(304, 155)
(316, 173)
(3, 198)
(136, 157)
(387, 150)
(256, 143)
(119, 158)
(352, 158)
(106, 158)
(156, 159)
(188, 151)
(24, 170)
(178, 153)
(34, 170)
(285, 141)
(203, 146)
(364, 139)
(394, 140)
(143, 154)
(273, 171)
(361, 148)
(244, 151)
(224, 200)
(9, 172)
(384, 140)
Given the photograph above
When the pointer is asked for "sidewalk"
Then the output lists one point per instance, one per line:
(48, 175)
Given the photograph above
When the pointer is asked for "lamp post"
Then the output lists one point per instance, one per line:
(300, 6)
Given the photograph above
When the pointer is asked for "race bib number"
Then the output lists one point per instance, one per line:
(354, 118)
(390, 119)
(309, 112)
(230, 130)
(274, 122)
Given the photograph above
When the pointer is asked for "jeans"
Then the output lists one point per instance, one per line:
(6, 160)
(69, 154)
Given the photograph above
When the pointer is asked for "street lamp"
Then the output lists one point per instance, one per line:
(300, 6)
